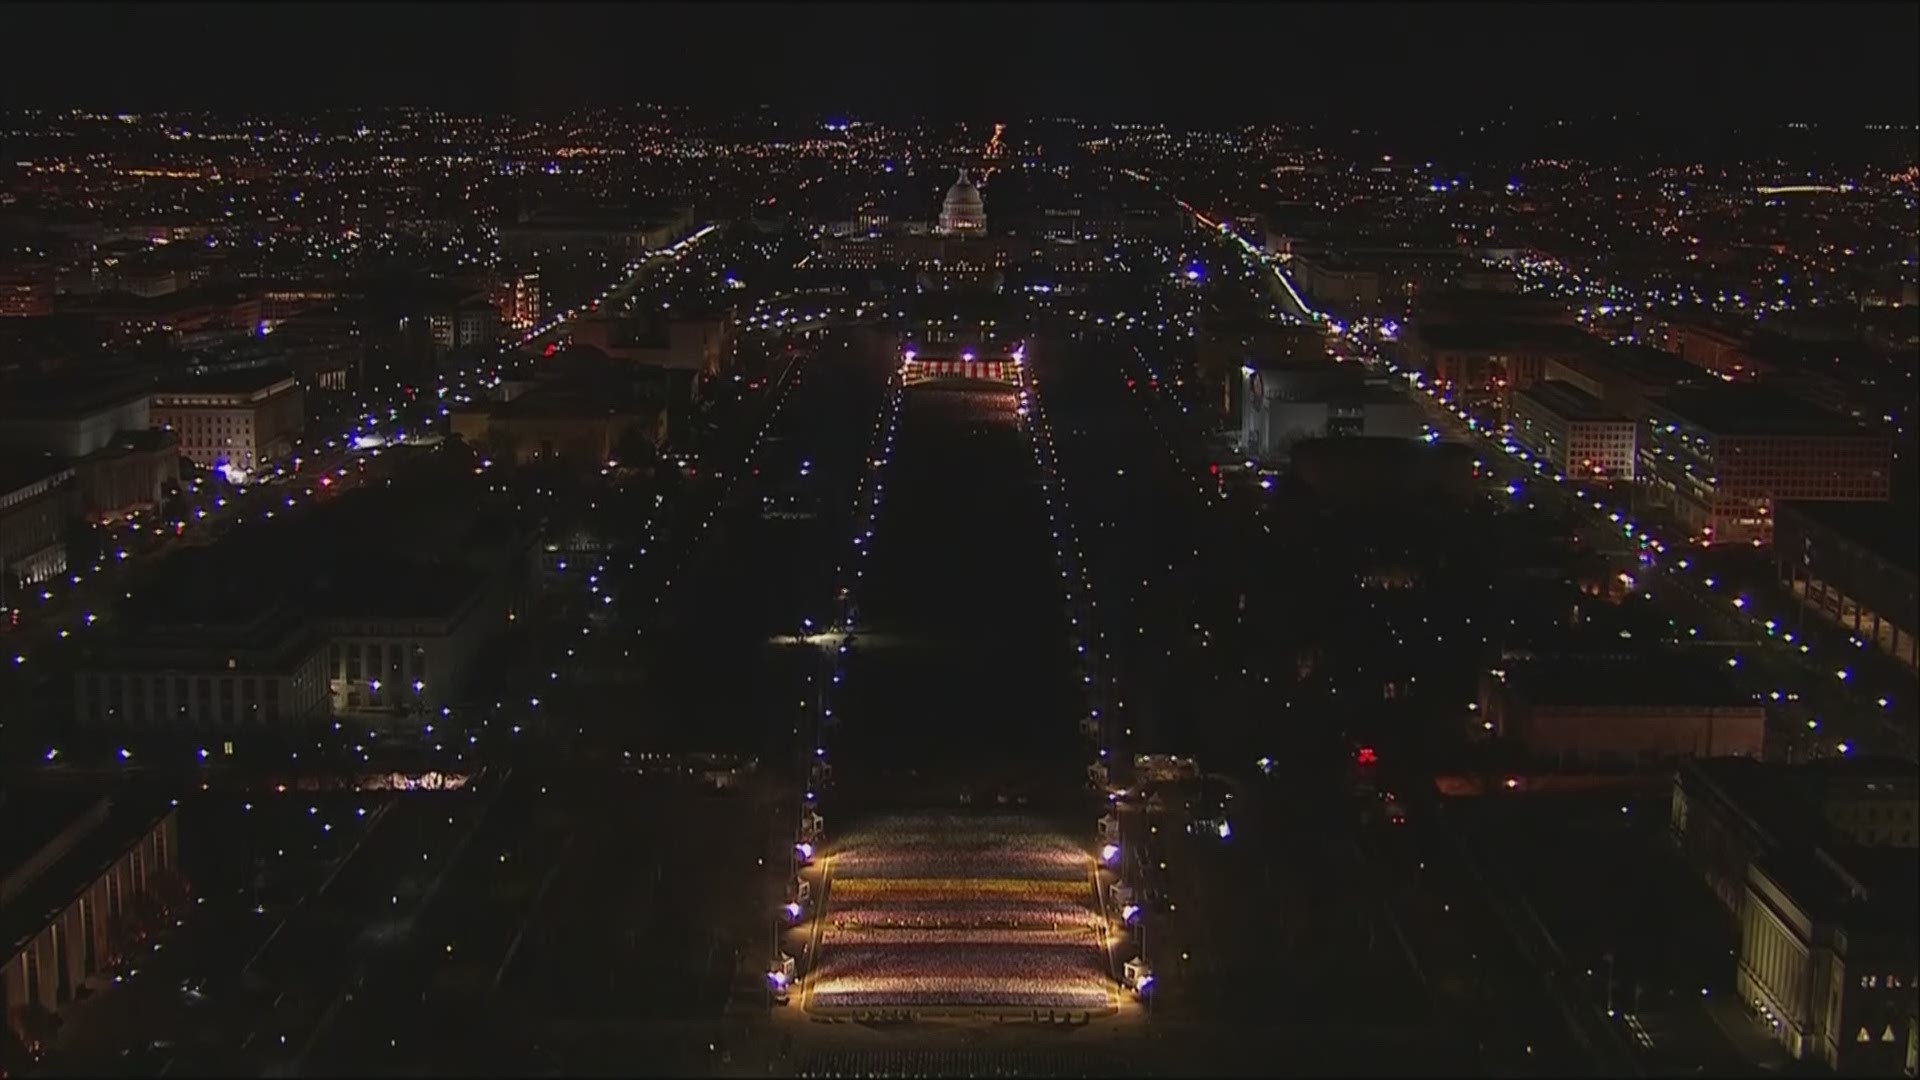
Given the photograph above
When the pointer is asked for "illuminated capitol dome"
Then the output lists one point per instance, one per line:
(963, 214)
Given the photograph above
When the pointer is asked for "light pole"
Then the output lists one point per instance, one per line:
(1140, 875)
(1609, 983)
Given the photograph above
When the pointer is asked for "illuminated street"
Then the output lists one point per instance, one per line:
(941, 540)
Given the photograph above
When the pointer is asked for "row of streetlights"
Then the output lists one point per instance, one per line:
(1096, 676)
(818, 771)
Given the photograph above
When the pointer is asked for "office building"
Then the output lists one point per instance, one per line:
(1283, 403)
(1486, 360)
(1382, 277)
(405, 624)
(1385, 475)
(1342, 284)
(235, 420)
(1227, 344)
(518, 302)
(1728, 812)
(1476, 305)
(37, 507)
(132, 473)
(472, 323)
(1618, 709)
(1625, 377)
(583, 406)
(150, 282)
(73, 417)
(205, 647)
(84, 880)
(1717, 351)
(101, 427)
(697, 347)
(1720, 457)
(411, 636)
(26, 292)
(1576, 433)
(1815, 867)
(1854, 564)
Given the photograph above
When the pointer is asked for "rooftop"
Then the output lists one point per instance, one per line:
(72, 396)
(373, 552)
(1758, 789)
(1870, 886)
(241, 381)
(1649, 679)
(420, 294)
(1456, 305)
(1569, 402)
(382, 525)
(1642, 364)
(1384, 461)
(1495, 335)
(135, 442)
(1868, 889)
(61, 881)
(575, 401)
(1752, 409)
(30, 821)
(23, 469)
(1324, 380)
(371, 587)
(205, 590)
(1890, 530)
(584, 381)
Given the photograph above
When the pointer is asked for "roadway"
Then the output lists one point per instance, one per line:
(1485, 971)
(1703, 592)
(1262, 919)
(1280, 286)
(1477, 984)
(41, 647)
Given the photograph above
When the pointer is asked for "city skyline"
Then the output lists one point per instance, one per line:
(960, 541)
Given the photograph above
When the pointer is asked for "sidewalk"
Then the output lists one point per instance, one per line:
(115, 1017)
(1744, 1033)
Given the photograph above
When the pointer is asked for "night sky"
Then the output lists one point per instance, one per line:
(1186, 63)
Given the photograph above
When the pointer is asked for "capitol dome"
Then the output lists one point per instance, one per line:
(963, 214)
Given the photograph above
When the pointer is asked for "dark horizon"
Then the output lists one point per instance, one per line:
(1362, 64)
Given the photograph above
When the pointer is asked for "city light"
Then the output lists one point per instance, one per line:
(604, 405)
